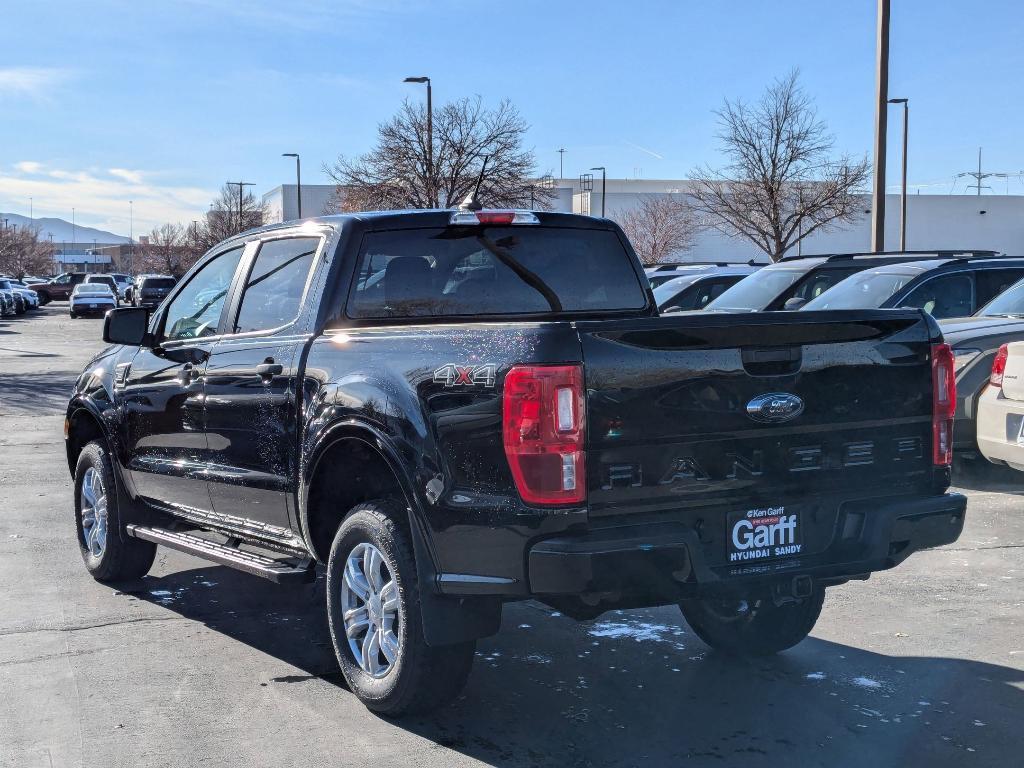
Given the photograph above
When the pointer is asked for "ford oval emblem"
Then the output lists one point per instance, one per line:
(775, 407)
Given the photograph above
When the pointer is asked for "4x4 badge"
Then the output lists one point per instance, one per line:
(454, 375)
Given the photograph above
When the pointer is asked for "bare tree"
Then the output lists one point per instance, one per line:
(781, 183)
(24, 252)
(659, 227)
(224, 219)
(166, 251)
(401, 172)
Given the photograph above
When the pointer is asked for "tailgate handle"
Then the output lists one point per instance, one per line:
(776, 361)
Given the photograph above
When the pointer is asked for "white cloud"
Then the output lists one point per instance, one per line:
(100, 199)
(32, 82)
(133, 177)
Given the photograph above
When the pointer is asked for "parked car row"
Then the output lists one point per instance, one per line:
(16, 298)
(977, 297)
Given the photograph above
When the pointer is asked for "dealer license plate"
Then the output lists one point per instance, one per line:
(763, 533)
(92, 306)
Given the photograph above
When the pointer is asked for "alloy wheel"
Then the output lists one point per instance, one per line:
(94, 512)
(370, 607)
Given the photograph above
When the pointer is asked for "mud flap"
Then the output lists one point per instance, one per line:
(449, 620)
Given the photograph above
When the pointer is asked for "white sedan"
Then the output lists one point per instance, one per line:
(92, 299)
(1001, 409)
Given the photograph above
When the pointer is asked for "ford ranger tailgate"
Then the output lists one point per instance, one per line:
(760, 411)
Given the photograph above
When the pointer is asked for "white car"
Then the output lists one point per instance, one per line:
(92, 299)
(1001, 409)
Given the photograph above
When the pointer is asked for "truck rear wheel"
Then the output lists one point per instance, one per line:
(373, 609)
(754, 626)
(108, 553)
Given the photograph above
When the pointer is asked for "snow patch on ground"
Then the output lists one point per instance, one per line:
(639, 631)
(816, 676)
(866, 682)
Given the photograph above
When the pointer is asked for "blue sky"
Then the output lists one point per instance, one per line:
(160, 103)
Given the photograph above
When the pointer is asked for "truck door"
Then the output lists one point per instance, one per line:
(163, 388)
(250, 390)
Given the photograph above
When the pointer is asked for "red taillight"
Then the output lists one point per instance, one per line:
(998, 367)
(943, 404)
(542, 421)
(495, 217)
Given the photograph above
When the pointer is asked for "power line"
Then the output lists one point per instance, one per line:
(979, 176)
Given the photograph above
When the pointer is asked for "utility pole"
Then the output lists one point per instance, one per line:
(881, 108)
(561, 158)
(131, 236)
(240, 185)
(903, 188)
(604, 185)
(298, 181)
(978, 176)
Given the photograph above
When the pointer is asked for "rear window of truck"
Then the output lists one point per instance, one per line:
(492, 271)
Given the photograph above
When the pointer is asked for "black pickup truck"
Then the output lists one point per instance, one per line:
(454, 409)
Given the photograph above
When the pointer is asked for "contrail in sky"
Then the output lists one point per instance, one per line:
(650, 152)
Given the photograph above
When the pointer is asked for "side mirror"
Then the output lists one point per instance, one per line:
(127, 325)
(794, 303)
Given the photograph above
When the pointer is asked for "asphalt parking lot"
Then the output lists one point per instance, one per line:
(200, 665)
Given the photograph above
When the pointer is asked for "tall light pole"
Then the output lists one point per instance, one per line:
(561, 157)
(131, 236)
(882, 96)
(240, 185)
(903, 189)
(604, 185)
(430, 139)
(74, 234)
(31, 212)
(298, 180)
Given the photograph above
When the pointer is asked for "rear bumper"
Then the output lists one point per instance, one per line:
(83, 308)
(999, 425)
(667, 561)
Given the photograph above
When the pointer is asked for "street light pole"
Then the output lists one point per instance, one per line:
(431, 200)
(604, 185)
(882, 96)
(298, 181)
(903, 189)
(131, 236)
(240, 185)
(561, 158)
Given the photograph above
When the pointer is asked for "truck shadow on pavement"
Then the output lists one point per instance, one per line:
(637, 687)
(36, 391)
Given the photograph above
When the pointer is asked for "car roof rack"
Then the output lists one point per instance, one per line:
(934, 253)
(668, 266)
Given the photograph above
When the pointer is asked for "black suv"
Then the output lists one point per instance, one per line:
(796, 280)
(944, 287)
(152, 290)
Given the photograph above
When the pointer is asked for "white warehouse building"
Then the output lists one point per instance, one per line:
(993, 222)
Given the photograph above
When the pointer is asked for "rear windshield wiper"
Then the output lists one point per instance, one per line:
(526, 275)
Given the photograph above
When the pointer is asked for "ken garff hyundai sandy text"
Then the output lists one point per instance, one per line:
(448, 413)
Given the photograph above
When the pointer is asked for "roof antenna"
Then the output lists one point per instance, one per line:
(472, 201)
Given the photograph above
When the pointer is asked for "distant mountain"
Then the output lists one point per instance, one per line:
(63, 231)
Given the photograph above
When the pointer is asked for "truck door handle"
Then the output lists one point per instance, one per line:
(269, 369)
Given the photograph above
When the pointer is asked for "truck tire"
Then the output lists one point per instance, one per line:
(44, 298)
(753, 627)
(374, 613)
(109, 554)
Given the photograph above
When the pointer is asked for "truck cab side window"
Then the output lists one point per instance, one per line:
(195, 311)
(274, 288)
